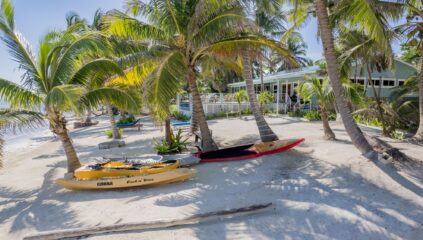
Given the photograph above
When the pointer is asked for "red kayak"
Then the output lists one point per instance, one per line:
(248, 151)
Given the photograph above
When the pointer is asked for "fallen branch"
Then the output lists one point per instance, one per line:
(161, 224)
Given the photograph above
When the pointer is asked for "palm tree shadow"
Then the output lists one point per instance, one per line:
(37, 208)
(410, 168)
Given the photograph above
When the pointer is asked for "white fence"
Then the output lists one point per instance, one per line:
(218, 103)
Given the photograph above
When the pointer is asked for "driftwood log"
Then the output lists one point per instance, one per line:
(161, 224)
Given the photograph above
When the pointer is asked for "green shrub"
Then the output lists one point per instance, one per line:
(177, 145)
(332, 116)
(180, 116)
(312, 115)
(109, 132)
(296, 113)
(398, 135)
(127, 120)
(367, 121)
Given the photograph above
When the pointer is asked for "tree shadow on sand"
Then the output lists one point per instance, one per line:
(35, 208)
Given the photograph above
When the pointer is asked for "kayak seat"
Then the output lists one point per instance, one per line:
(228, 152)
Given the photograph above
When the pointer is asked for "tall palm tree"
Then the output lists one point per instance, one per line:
(54, 81)
(326, 35)
(363, 14)
(17, 119)
(323, 92)
(182, 35)
(413, 29)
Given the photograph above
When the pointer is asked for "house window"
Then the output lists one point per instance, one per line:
(400, 83)
(375, 82)
(267, 88)
(388, 83)
(360, 81)
(275, 89)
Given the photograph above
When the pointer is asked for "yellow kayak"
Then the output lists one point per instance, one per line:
(175, 175)
(123, 169)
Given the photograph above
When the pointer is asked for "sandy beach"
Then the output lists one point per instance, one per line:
(320, 190)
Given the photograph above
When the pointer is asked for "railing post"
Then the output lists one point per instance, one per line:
(277, 98)
(178, 102)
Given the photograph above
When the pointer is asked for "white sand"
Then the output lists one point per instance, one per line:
(321, 190)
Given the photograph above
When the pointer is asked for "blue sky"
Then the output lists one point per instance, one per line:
(34, 18)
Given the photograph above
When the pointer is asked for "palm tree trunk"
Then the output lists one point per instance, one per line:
(266, 133)
(168, 131)
(58, 127)
(329, 135)
(198, 112)
(194, 118)
(338, 115)
(378, 102)
(261, 74)
(419, 134)
(115, 130)
(356, 135)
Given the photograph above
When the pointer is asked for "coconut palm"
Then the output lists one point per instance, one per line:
(240, 97)
(322, 91)
(366, 53)
(53, 82)
(413, 29)
(264, 98)
(75, 21)
(17, 120)
(182, 35)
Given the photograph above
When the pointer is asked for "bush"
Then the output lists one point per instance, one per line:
(127, 120)
(368, 121)
(312, 115)
(296, 113)
(109, 132)
(177, 145)
(180, 116)
(398, 135)
(332, 116)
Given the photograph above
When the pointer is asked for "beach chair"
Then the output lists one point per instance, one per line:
(182, 125)
(135, 124)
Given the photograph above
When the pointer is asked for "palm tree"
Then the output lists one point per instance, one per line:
(322, 91)
(17, 119)
(240, 97)
(326, 34)
(264, 98)
(413, 29)
(181, 37)
(366, 53)
(54, 82)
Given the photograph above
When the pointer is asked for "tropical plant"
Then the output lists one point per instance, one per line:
(109, 132)
(12, 120)
(240, 97)
(180, 116)
(413, 29)
(322, 91)
(182, 35)
(54, 82)
(264, 98)
(127, 120)
(177, 144)
(362, 14)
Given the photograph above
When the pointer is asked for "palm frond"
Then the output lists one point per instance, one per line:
(18, 96)
(65, 97)
(120, 96)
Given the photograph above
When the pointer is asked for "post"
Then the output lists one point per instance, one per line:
(286, 96)
(178, 102)
(277, 98)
